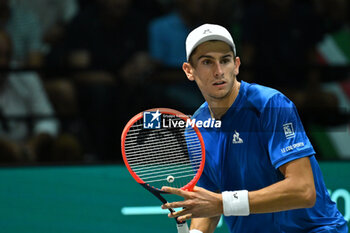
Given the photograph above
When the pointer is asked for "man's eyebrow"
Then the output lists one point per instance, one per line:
(227, 55)
(204, 56)
(211, 57)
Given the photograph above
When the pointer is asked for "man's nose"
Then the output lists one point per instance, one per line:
(218, 72)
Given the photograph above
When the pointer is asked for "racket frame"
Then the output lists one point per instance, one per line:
(192, 183)
(156, 192)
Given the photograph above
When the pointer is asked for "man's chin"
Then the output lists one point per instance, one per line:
(219, 95)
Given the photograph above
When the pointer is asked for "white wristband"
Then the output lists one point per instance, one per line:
(195, 231)
(235, 203)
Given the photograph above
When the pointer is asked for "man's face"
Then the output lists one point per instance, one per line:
(214, 69)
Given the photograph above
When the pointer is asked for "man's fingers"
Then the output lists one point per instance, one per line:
(175, 191)
(181, 214)
(184, 218)
(174, 205)
(196, 188)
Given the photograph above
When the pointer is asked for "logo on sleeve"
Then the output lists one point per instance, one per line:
(288, 130)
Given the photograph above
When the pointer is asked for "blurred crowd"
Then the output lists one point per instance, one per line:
(73, 72)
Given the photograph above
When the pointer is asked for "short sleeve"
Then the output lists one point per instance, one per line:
(283, 132)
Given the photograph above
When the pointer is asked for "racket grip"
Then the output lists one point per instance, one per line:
(182, 227)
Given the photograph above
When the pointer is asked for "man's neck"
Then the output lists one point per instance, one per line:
(218, 107)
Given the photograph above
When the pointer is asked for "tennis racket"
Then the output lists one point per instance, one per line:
(161, 147)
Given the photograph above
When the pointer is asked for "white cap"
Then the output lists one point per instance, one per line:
(205, 33)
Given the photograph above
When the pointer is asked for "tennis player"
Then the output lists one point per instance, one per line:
(260, 170)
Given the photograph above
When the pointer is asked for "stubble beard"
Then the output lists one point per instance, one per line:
(229, 91)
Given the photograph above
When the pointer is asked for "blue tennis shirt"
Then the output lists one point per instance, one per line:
(260, 132)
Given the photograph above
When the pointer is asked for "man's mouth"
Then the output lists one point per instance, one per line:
(218, 83)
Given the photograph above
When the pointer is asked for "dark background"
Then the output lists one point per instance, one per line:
(100, 62)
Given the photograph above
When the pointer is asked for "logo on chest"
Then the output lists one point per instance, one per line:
(236, 139)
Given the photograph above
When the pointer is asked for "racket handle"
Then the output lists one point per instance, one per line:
(182, 227)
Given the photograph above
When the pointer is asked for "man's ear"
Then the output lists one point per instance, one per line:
(237, 65)
(187, 68)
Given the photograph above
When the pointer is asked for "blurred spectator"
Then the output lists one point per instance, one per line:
(279, 41)
(334, 50)
(278, 35)
(25, 31)
(29, 131)
(106, 42)
(167, 35)
(100, 36)
(53, 15)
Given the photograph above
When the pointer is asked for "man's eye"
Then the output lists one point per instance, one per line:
(224, 61)
(206, 62)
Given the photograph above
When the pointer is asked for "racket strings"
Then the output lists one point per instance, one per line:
(156, 155)
(135, 142)
(169, 145)
(150, 166)
(147, 162)
(172, 168)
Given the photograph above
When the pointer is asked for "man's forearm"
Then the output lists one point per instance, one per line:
(297, 190)
(206, 225)
(281, 196)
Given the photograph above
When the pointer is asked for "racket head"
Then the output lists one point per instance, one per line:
(153, 164)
